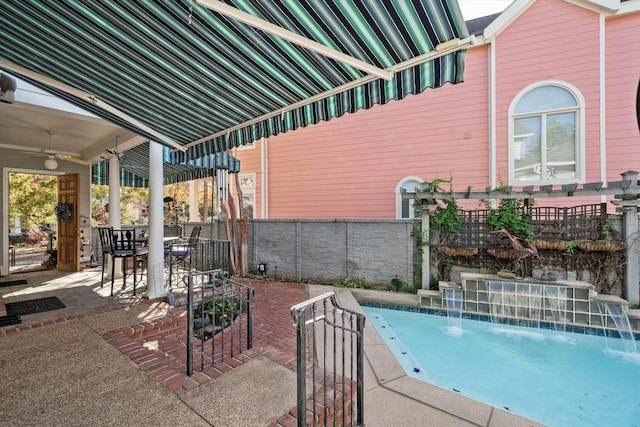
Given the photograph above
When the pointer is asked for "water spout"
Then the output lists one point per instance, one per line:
(621, 320)
(531, 302)
(453, 299)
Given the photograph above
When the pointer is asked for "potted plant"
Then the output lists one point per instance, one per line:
(609, 242)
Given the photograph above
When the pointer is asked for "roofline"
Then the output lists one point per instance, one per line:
(515, 9)
(628, 7)
(510, 14)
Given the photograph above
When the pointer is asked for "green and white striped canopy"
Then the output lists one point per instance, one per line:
(203, 76)
(134, 167)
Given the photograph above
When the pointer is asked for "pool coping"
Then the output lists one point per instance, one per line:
(388, 375)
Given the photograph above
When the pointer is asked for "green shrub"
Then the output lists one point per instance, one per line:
(358, 282)
(447, 219)
(512, 215)
(399, 285)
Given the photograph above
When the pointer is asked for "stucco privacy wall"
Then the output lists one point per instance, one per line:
(325, 251)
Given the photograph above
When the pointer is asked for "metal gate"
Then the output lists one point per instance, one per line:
(330, 359)
(219, 318)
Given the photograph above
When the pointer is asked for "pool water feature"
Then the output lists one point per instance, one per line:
(453, 299)
(621, 320)
(553, 377)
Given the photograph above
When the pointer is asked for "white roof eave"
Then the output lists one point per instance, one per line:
(515, 9)
(510, 14)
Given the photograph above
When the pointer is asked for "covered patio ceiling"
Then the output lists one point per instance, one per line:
(204, 76)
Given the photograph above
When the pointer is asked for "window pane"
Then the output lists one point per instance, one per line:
(405, 208)
(545, 98)
(561, 145)
(527, 149)
(247, 204)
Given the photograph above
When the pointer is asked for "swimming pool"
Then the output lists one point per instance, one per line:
(556, 378)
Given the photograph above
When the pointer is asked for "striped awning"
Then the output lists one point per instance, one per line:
(134, 167)
(206, 75)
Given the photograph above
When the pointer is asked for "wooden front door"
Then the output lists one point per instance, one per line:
(69, 232)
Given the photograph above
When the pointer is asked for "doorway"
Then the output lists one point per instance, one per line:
(33, 232)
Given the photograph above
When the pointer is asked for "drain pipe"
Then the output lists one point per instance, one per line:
(264, 159)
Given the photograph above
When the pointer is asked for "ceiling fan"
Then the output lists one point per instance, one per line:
(114, 153)
(51, 155)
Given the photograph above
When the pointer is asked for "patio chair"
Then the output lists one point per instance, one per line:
(173, 230)
(105, 234)
(180, 252)
(123, 245)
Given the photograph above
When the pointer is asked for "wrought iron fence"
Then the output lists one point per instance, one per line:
(219, 318)
(204, 255)
(330, 354)
(34, 256)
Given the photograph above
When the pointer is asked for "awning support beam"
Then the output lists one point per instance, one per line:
(462, 44)
(294, 38)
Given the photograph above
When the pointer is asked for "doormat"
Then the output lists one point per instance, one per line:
(9, 320)
(22, 308)
(13, 283)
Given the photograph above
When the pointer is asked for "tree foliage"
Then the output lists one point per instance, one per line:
(32, 199)
(133, 204)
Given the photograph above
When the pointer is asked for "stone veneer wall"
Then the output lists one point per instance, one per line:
(582, 311)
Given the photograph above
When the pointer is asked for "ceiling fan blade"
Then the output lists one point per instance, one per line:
(32, 153)
(73, 159)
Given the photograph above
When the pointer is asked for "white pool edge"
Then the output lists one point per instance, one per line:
(388, 376)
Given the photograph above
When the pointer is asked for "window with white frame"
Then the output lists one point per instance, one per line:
(247, 146)
(404, 207)
(546, 130)
(248, 187)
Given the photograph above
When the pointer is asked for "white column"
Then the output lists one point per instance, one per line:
(155, 268)
(629, 208)
(115, 220)
(194, 215)
(114, 193)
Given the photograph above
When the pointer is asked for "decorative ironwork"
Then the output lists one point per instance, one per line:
(330, 339)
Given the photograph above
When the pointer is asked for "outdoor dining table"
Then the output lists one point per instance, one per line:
(167, 240)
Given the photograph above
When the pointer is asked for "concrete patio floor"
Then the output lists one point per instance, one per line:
(73, 367)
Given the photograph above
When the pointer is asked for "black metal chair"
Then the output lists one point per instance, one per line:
(173, 230)
(179, 252)
(105, 234)
(123, 245)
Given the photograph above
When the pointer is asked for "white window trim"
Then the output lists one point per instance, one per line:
(248, 146)
(580, 128)
(398, 193)
(249, 190)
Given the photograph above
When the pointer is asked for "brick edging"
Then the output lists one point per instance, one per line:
(66, 317)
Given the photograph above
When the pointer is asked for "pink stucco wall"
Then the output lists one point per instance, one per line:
(552, 40)
(622, 77)
(349, 167)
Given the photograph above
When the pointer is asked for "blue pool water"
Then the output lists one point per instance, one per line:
(555, 378)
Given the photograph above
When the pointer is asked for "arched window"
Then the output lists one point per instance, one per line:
(546, 134)
(404, 207)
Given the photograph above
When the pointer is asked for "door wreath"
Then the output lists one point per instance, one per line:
(64, 212)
